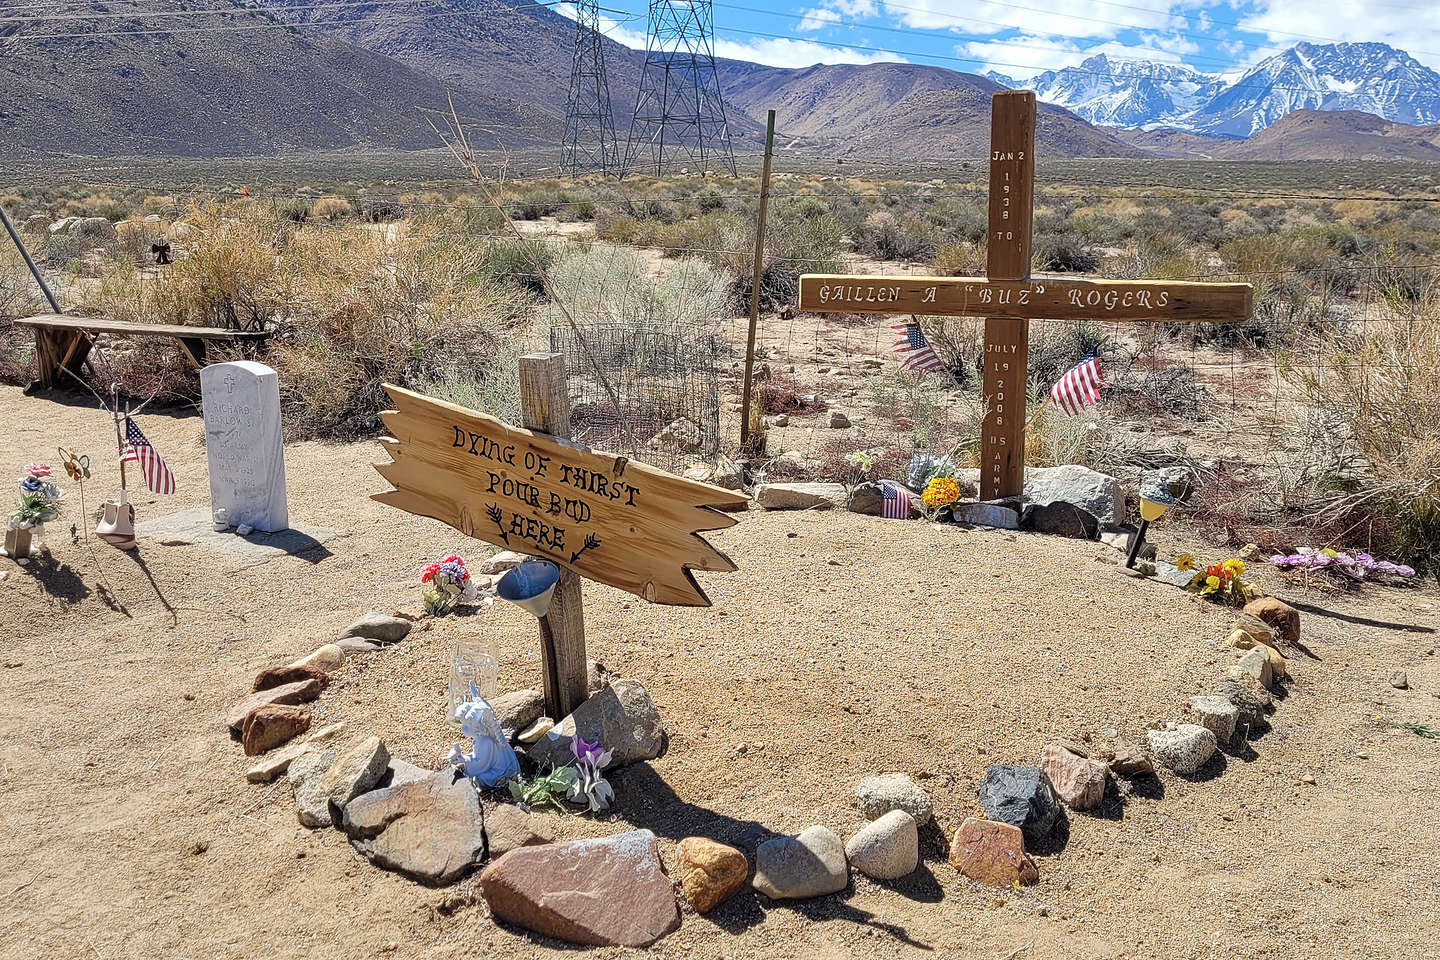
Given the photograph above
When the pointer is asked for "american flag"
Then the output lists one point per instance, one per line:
(152, 466)
(1080, 388)
(896, 500)
(909, 339)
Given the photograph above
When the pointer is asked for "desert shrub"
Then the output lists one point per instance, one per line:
(1056, 347)
(959, 259)
(710, 200)
(1062, 252)
(1380, 383)
(960, 344)
(366, 309)
(520, 262)
(613, 285)
(888, 237)
(332, 209)
(293, 209)
(18, 298)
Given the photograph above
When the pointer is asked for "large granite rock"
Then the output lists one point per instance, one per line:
(987, 514)
(710, 872)
(1023, 797)
(800, 496)
(877, 796)
(810, 865)
(621, 717)
(867, 498)
(1095, 492)
(430, 830)
(1216, 714)
(321, 798)
(992, 853)
(1061, 519)
(887, 848)
(600, 893)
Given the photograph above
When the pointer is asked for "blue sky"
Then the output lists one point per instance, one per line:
(1022, 37)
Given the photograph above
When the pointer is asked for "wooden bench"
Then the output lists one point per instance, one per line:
(63, 342)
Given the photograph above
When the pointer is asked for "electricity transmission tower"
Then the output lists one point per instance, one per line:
(589, 125)
(680, 114)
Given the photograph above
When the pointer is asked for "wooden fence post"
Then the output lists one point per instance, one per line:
(749, 443)
(545, 406)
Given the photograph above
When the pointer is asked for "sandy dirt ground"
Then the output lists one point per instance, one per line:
(844, 646)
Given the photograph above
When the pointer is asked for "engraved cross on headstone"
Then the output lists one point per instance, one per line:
(1008, 299)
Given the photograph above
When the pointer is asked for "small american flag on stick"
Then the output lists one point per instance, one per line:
(152, 466)
(895, 501)
(910, 340)
(1080, 388)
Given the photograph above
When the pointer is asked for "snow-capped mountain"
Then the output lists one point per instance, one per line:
(1001, 79)
(1126, 93)
(1369, 77)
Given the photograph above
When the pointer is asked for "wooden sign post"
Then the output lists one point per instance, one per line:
(1009, 299)
(597, 515)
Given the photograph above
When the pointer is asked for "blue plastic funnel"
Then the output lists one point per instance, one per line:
(530, 585)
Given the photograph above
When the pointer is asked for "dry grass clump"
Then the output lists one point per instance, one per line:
(18, 298)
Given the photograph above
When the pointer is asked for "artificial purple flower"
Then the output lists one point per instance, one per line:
(586, 752)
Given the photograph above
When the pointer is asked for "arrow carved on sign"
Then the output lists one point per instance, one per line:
(552, 498)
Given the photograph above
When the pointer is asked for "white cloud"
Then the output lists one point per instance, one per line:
(797, 53)
(1024, 56)
(1059, 18)
(833, 12)
(1415, 29)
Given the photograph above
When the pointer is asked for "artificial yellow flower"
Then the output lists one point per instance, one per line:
(940, 492)
(1185, 562)
(1234, 566)
(1212, 582)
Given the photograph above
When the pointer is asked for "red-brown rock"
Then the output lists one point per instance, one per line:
(1078, 780)
(302, 691)
(607, 892)
(992, 853)
(269, 726)
(1279, 615)
(272, 677)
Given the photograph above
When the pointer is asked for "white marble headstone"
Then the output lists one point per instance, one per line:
(243, 444)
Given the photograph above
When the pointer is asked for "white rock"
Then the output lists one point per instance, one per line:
(877, 796)
(1185, 749)
(886, 849)
(1096, 492)
(1216, 714)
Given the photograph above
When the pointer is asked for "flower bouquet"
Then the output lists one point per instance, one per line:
(939, 497)
(1339, 567)
(37, 505)
(1221, 582)
(446, 584)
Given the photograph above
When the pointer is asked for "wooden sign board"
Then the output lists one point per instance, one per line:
(606, 517)
(1134, 300)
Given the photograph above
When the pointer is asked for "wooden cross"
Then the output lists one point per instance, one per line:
(1009, 299)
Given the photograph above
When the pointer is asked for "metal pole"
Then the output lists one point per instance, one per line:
(1135, 543)
(747, 397)
(34, 270)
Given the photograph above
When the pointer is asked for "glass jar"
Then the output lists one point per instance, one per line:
(474, 662)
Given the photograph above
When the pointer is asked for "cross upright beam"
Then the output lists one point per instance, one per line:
(1009, 299)
(1007, 257)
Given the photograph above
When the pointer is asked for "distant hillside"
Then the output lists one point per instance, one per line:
(1169, 142)
(240, 92)
(1337, 135)
(900, 110)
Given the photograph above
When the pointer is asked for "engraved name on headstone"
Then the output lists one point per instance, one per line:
(243, 445)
